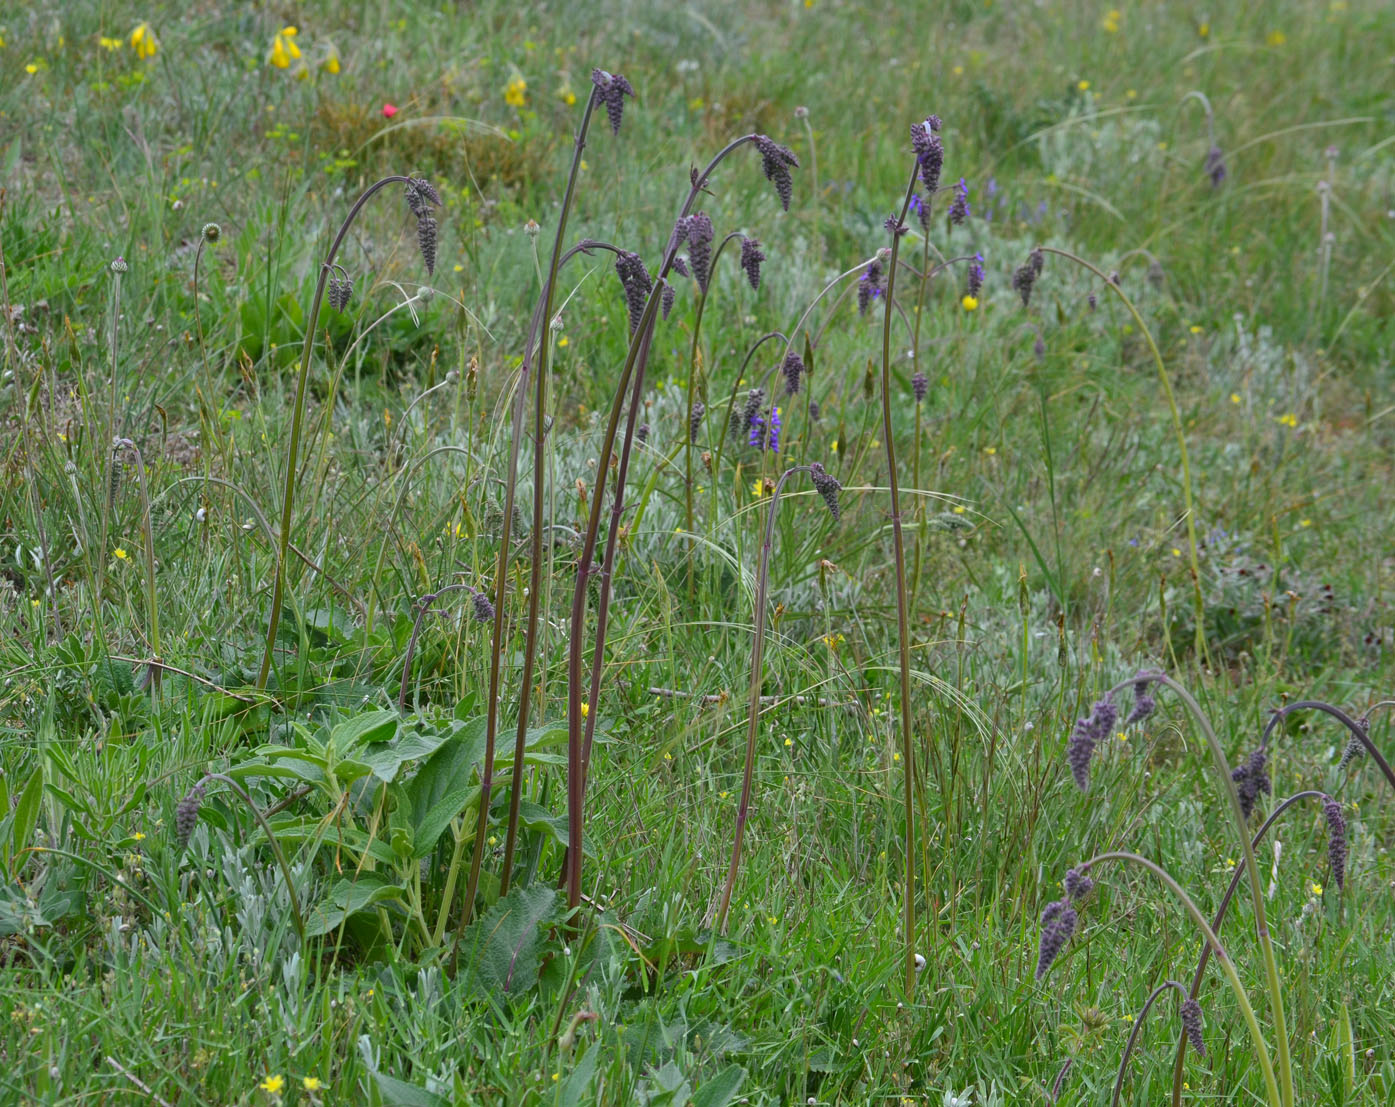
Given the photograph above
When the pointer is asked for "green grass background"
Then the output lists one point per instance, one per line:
(1065, 570)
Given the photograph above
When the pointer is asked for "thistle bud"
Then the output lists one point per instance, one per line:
(119, 265)
(212, 232)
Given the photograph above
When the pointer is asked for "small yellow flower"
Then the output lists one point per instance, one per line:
(568, 97)
(513, 94)
(36, 603)
(1196, 328)
(563, 342)
(331, 66)
(990, 450)
(1176, 552)
(273, 1084)
(1230, 862)
(279, 58)
(291, 48)
(1082, 85)
(1289, 419)
(1235, 397)
(460, 268)
(833, 448)
(493, 840)
(969, 303)
(111, 45)
(121, 553)
(1305, 522)
(143, 41)
(789, 742)
(1204, 29)
(1276, 38)
(1315, 888)
(31, 69)
(958, 509)
(585, 709)
(311, 1084)
(138, 836)
(1111, 21)
(758, 488)
(1131, 94)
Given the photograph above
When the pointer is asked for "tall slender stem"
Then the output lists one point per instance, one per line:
(297, 420)
(903, 622)
(530, 643)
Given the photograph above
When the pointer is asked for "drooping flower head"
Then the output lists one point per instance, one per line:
(920, 386)
(1057, 925)
(421, 197)
(1026, 275)
(697, 229)
(776, 161)
(1143, 704)
(869, 286)
(186, 814)
(750, 410)
(793, 369)
(635, 280)
(1190, 1014)
(1215, 166)
(751, 257)
(611, 90)
(1251, 779)
(827, 486)
(667, 297)
(974, 284)
(481, 607)
(695, 419)
(1087, 733)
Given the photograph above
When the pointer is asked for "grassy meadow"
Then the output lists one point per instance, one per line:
(271, 829)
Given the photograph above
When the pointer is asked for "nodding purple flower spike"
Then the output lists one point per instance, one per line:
(421, 196)
(920, 386)
(751, 257)
(975, 281)
(1057, 925)
(1190, 1014)
(186, 814)
(1078, 885)
(482, 608)
(869, 286)
(1336, 839)
(1215, 166)
(426, 240)
(1085, 735)
(827, 486)
(1354, 750)
(1251, 779)
(680, 266)
(698, 230)
(611, 90)
(776, 161)
(1143, 704)
(929, 152)
(1026, 275)
(959, 209)
(793, 369)
(750, 412)
(667, 297)
(773, 438)
(894, 226)
(695, 419)
(635, 280)
(922, 210)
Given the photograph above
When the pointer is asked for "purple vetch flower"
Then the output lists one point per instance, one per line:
(635, 280)
(975, 282)
(929, 152)
(793, 369)
(920, 386)
(1057, 925)
(611, 90)
(827, 486)
(1251, 779)
(1215, 166)
(1087, 733)
(776, 161)
(751, 257)
(1336, 839)
(1190, 1014)
(959, 208)
(697, 228)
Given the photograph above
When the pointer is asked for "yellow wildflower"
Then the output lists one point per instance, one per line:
(31, 68)
(120, 553)
(1111, 21)
(1204, 30)
(568, 97)
(1235, 397)
(138, 836)
(969, 303)
(513, 94)
(1196, 328)
(273, 1084)
(1276, 38)
(1082, 85)
(331, 63)
(110, 44)
(279, 58)
(1289, 419)
(143, 41)
(311, 1083)
(292, 49)
(585, 709)
(758, 488)
(1315, 888)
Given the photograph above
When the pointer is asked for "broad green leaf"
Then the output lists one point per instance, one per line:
(504, 943)
(386, 759)
(27, 814)
(366, 728)
(721, 1089)
(297, 830)
(542, 820)
(442, 788)
(346, 898)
